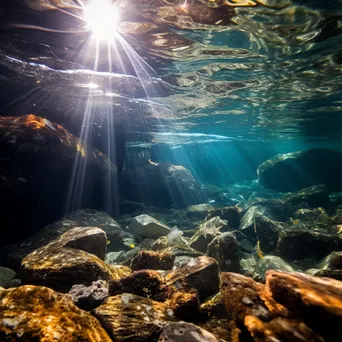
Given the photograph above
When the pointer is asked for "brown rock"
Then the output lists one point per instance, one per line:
(152, 260)
(185, 305)
(128, 317)
(199, 273)
(34, 313)
(318, 301)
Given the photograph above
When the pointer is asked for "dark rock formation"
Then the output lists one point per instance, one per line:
(185, 305)
(230, 214)
(298, 170)
(152, 260)
(38, 159)
(34, 313)
(267, 232)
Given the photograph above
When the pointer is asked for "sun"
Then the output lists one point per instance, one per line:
(102, 17)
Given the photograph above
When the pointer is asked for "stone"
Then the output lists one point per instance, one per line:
(144, 283)
(199, 273)
(272, 262)
(267, 233)
(148, 227)
(128, 317)
(231, 214)
(60, 267)
(41, 158)
(15, 253)
(298, 170)
(225, 249)
(318, 301)
(6, 277)
(89, 297)
(186, 332)
(175, 182)
(115, 257)
(34, 313)
(301, 244)
(199, 211)
(315, 196)
(332, 261)
(206, 233)
(119, 271)
(185, 305)
(152, 260)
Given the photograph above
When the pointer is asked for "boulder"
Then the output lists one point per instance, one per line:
(15, 253)
(175, 182)
(186, 332)
(148, 227)
(152, 260)
(128, 317)
(225, 249)
(35, 313)
(267, 233)
(39, 158)
(272, 262)
(6, 277)
(298, 170)
(230, 214)
(330, 266)
(199, 273)
(185, 305)
(199, 211)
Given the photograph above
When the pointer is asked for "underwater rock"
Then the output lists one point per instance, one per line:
(144, 283)
(302, 244)
(152, 260)
(267, 232)
(6, 277)
(175, 182)
(298, 170)
(317, 301)
(15, 253)
(230, 214)
(39, 160)
(271, 262)
(225, 249)
(89, 297)
(199, 273)
(330, 266)
(119, 271)
(115, 257)
(185, 305)
(186, 332)
(128, 317)
(315, 196)
(206, 233)
(248, 267)
(160, 243)
(60, 267)
(34, 313)
(148, 227)
(199, 211)
(183, 254)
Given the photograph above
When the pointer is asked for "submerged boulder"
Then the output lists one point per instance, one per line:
(35, 313)
(38, 164)
(298, 170)
(152, 260)
(147, 227)
(176, 184)
(230, 214)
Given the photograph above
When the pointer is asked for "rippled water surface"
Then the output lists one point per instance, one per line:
(177, 71)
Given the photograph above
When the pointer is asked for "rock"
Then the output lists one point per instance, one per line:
(145, 283)
(271, 262)
(34, 313)
(318, 301)
(206, 233)
(39, 159)
(115, 257)
(225, 249)
(185, 305)
(147, 243)
(128, 317)
(301, 244)
(89, 297)
(160, 243)
(6, 277)
(152, 260)
(315, 196)
(248, 267)
(15, 253)
(267, 232)
(230, 214)
(332, 261)
(298, 170)
(119, 271)
(199, 273)
(199, 211)
(186, 332)
(148, 227)
(60, 267)
(175, 182)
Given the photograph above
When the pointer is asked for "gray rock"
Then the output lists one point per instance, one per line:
(272, 262)
(115, 257)
(230, 214)
(6, 277)
(199, 211)
(186, 332)
(267, 232)
(89, 297)
(225, 249)
(148, 227)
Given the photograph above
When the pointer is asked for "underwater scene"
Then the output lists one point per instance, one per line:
(171, 170)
